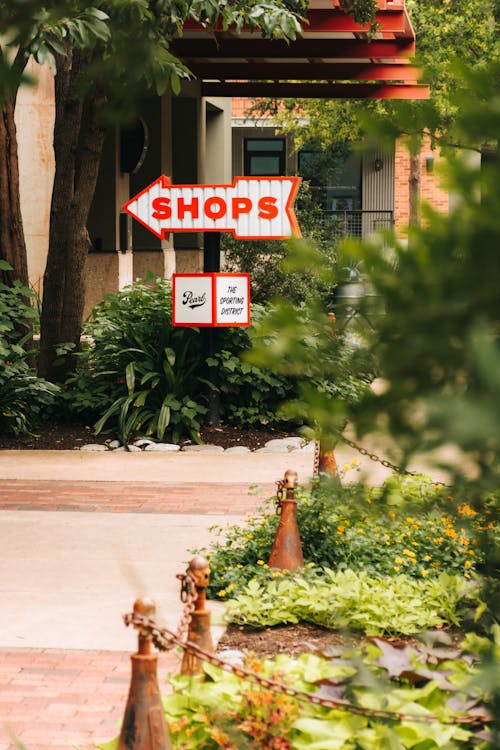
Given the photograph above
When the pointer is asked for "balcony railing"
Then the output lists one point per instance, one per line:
(357, 223)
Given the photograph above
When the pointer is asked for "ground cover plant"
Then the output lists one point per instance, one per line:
(362, 528)
(426, 688)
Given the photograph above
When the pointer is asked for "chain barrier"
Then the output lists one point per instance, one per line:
(165, 640)
(372, 456)
(279, 495)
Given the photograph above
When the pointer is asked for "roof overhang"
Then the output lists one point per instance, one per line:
(333, 57)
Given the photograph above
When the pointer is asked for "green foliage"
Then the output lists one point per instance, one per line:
(222, 710)
(409, 527)
(25, 399)
(346, 600)
(139, 370)
(266, 262)
(249, 395)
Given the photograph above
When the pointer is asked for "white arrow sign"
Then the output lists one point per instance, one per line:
(250, 208)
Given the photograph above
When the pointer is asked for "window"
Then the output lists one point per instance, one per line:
(264, 157)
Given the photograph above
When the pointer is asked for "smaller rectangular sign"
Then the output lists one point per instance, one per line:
(232, 299)
(192, 299)
(211, 299)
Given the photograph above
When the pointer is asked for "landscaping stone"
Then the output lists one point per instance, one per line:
(292, 442)
(143, 443)
(114, 444)
(129, 449)
(277, 448)
(238, 449)
(165, 447)
(203, 448)
(94, 447)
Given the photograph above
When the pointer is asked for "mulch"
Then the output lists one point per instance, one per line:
(66, 436)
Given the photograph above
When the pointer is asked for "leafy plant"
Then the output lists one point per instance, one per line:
(223, 710)
(346, 600)
(25, 399)
(362, 528)
(139, 370)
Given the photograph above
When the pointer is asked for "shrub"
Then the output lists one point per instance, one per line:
(25, 400)
(139, 370)
(139, 375)
(361, 528)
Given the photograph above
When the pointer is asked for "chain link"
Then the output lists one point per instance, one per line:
(317, 450)
(377, 459)
(279, 495)
(164, 640)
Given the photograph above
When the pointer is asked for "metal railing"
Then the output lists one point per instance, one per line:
(357, 223)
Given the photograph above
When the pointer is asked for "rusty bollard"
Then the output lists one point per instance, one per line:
(327, 463)
(199, 626)
(144, 726)
(287, 549)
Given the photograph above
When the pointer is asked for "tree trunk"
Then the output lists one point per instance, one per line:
(78, 142)
(12, 243)
(414, 182)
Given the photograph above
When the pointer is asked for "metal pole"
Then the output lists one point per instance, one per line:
(211, 264)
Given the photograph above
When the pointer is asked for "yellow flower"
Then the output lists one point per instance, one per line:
(427, 557)
(340, 529)
(231, 586)
(239, 565)
(466, 510)
(438, 539)
(451, 532)
(467, 564)
(425, 573)
(409, 519)
(321, 531)
(346, 467)
(260, 562)
(409, 553)
(399, 560)
(249, 536)
(396, 568)
(222, 592)
(276, 573)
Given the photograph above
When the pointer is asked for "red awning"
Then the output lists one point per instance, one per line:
(332, 58)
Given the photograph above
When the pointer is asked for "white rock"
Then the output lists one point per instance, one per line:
(114, 444)
(233, 656)
(278, 448)
(143, 443)
(308, 448)
(93, 447)
(128, 448)
(294, 442)
(165, 447)
(208, 448)
(237, 449)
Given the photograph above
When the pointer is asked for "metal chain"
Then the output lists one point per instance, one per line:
(317, 450)
(377, 459)
(279, 495)
(164, 640)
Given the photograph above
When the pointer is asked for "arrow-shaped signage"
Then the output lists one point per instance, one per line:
(250, 208)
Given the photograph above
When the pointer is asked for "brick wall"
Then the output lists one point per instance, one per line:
(430, 190)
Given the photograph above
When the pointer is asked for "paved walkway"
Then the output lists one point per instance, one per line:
(82, 536)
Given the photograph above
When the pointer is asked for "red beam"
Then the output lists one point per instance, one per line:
(317, 71)
(281, 90)
(330, 21)
(256, 47)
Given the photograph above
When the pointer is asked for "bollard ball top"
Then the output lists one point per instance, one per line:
(291, 479)
(145, 606)
(200, 570)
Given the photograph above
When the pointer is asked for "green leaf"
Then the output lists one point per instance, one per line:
(130, 376)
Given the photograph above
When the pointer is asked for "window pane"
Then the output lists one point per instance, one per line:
(264, 165)
(263, 144)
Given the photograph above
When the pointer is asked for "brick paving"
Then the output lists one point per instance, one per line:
(51, 698)
(60, 698)
(130, 497)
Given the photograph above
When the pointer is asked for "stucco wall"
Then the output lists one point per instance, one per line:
(35, 127)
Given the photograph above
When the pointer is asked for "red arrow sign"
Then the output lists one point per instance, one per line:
(250, 208)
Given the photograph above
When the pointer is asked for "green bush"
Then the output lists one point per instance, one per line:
(25, 400)
(361, 528)
(140, 373)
